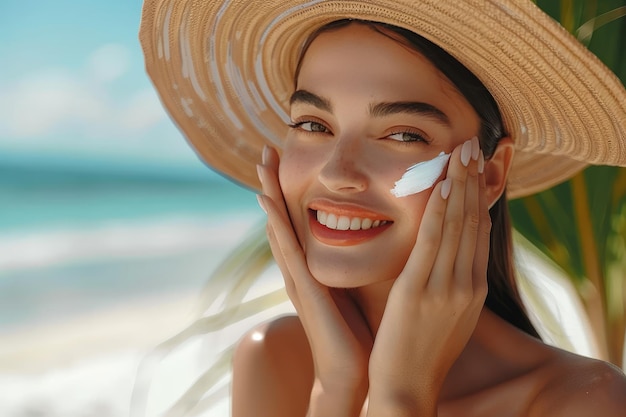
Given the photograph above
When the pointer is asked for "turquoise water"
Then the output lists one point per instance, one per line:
(73, 241)
(44, 198)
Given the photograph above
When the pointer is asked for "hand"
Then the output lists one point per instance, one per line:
(339, 337)
(434, 304)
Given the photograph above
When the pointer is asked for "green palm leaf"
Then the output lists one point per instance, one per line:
(581, 224)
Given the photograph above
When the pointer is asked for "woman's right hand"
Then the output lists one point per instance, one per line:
(340, 340)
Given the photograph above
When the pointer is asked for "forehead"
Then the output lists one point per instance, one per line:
(356, 68)
(362, 56)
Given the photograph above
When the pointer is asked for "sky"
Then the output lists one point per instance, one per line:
(73, 90)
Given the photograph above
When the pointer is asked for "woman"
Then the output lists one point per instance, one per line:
(406, 305)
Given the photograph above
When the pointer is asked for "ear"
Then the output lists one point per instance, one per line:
(497, 169)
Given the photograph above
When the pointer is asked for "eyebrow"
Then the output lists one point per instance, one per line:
(306, 97)
(410, 107)
(376, 110)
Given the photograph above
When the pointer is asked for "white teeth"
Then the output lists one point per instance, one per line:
(343, 223)
(331, 221)
(335, 222)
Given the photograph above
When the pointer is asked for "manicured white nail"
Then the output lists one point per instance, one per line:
(446, 187)
(265, 154)
(466, 153)
(475, 148)
(259, 172)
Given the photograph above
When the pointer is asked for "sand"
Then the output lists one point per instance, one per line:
(87, 365)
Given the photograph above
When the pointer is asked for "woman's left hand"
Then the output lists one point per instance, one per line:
(434, 304)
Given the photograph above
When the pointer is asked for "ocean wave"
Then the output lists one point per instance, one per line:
(21, 250)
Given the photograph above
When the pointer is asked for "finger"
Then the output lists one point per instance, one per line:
(464, 262)
(282, 266)
(288, 249)
(481, 257)
(289, 258)
(277, 254)
(441, 276)
(315, 304)
(268, 175)
(414, 276)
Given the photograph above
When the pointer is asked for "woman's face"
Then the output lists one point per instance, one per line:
(366, 107)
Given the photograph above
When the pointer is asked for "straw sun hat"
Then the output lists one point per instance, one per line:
(224, 71)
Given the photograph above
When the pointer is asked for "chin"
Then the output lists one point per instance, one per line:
(340, 281)
(339, 272)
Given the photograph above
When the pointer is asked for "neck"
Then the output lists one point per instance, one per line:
(372, 300)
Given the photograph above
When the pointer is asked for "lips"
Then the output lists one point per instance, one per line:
(345, 225)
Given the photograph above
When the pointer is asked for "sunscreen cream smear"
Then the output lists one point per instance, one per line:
(420, 176)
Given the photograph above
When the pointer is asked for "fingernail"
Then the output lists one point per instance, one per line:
(446, 187)
(259, 198)
(259, 172)
(475, 148)
(466, 153)
(481, 163)
(265, 154)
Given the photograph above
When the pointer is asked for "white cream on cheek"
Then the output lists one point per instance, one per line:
(420, 176)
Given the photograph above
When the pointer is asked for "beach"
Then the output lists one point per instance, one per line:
(88, 365)
(65, 356)
(64, 368)
(95, 272)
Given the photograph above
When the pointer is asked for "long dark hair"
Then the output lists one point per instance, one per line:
(503, 297)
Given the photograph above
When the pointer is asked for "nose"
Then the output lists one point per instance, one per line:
(343, 171)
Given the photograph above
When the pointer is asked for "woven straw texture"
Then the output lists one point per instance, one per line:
(224, 72)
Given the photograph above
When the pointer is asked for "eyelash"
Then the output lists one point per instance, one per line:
(417, 136)
(299, 124)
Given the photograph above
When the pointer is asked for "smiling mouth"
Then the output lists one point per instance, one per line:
(338, 222)
(336, 229)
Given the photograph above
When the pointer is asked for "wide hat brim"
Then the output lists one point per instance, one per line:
(224, 72)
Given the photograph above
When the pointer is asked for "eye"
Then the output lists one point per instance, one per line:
(408, 137)
(309, 126)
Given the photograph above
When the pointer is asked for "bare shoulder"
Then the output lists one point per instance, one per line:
(272, 370)
(581, 387)
(279, 336)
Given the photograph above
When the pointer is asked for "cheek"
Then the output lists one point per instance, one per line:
(412, 208)
(291, 172)
(295, 175)
(400, 247)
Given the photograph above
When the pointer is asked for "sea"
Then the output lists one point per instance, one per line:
(97, 266)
